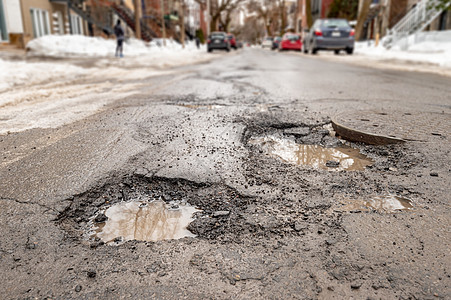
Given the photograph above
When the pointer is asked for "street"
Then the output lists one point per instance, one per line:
(274, 220)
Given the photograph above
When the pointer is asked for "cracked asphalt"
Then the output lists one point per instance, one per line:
(268, 229)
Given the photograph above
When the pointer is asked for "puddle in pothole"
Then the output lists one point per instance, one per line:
(145, 221)
(387, 203)
(334, 159)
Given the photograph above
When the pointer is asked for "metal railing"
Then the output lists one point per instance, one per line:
(416, 20)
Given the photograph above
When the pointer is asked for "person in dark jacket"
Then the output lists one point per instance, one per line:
(119, 32)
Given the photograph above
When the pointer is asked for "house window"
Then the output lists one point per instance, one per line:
(40, 21)
(77, 24)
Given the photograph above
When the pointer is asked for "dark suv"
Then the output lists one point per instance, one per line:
(330, 34)
(218, 41)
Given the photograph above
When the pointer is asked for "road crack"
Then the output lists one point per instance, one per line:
(29, 203)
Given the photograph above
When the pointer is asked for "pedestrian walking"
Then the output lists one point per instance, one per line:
(119, 32)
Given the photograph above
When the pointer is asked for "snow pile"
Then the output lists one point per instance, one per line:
(19, 72)
(79, 45)
(426, 47)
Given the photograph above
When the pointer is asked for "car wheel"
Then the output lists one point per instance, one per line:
(313, 50)
(228, 49)
(304, 49)
(349, 51)
(209, 50)
(337, 52)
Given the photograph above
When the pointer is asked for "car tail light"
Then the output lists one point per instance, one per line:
(208, 41)
(352, 33)
(318, 32)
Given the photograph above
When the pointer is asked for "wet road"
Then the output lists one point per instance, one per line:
(183, 137)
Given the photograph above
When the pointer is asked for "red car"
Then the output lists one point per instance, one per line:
(291, 41)
(232, 40)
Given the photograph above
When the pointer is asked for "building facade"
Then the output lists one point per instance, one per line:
(23, 20)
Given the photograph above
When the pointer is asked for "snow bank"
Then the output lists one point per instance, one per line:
(79, 45)
(425, 47)
(19, 72)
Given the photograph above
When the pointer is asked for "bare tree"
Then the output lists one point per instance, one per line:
(273, 13)
(264, 11)
(226, 16)
(218, 7)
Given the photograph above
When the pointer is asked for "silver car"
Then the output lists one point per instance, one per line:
(330, 34)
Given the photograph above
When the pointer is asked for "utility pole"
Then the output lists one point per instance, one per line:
(208, 17)
(363, 13)
(138, 19)
(163, 24)
(385, 17)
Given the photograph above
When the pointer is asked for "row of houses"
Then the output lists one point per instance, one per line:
(384, 14)
(23, 20)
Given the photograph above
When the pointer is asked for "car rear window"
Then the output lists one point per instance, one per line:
(334, 23)
(230, 37)
(269, 39)
(217, 36)
(292, 37)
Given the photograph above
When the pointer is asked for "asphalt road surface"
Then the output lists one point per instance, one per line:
(277, 220)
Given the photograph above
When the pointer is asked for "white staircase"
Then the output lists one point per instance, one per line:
(416, 20)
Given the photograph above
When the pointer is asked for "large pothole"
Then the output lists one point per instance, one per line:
(334, 158)
(151, 209)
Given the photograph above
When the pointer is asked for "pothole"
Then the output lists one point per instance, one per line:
(335, 159)
(383, 204)
(149, 209)
(143, 221)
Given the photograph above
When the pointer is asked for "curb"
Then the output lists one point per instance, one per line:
(354, 135)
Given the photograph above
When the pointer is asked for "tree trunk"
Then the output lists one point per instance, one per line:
(362, 18)
(213, 23)
(182, 21)
(138, 19)
(308, 12)
(283, 21)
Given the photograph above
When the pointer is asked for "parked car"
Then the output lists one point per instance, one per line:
(291, 41)
(218, 41)
(232, 41)
(267, 42)
(330, 34)
(276, 42)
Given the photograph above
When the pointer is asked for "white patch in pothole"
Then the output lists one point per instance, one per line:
(336, 159)
(387, 203)
(145, 221)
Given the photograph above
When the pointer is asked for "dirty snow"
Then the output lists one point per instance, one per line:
(425, 47)
(15, 73)
(59, 91)
(82, 46)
